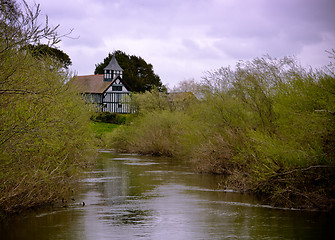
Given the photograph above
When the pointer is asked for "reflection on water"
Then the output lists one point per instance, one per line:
(137, 197)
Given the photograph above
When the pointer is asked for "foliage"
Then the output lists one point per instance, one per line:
(42, 50)
(268, 125)
(108, 117)
(156, 133)
(45, 133)
(102, 132)
(102, 127)
(138, 74)
(149, 101)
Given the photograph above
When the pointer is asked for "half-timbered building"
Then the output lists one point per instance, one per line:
(108, 91)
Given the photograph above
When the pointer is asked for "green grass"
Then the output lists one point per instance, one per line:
(100, 128)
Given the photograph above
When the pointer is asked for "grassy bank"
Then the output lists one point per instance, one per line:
(105, 123)
(268, 125)
(101, 128)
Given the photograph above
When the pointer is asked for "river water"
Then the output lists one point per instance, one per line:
(140, 197)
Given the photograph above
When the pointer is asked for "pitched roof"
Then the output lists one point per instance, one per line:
(90, 83)
(113, 65)
(93, 83)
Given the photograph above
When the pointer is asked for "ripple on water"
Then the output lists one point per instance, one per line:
(212, 190)
(126, 159)
(96, 180)
(106, 151)
(140, 163)
(127, 216)
(254, 205)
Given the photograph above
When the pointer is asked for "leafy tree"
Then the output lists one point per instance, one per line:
(42, 50)
(44, 128)
(138, 74)
(149, 101)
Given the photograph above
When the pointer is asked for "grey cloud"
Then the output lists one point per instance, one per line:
(190, 31)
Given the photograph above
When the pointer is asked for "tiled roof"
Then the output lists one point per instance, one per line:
(93, 83)
(90, 83)
(113, 65)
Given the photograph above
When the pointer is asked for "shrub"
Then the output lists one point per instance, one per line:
(157, 133)
(108, 117)
(150, 101)
(45, 134)
(266, 125)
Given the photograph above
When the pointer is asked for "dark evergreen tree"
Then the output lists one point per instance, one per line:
(138, 74)
(43, 50)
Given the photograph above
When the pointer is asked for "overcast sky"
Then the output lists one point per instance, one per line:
(184, 38)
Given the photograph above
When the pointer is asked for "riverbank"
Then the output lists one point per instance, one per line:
(43, 145)
(45, 132)
(268, 126)
(309, 187)
(40, 178)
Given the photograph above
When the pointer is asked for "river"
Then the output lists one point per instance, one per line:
(140, 197)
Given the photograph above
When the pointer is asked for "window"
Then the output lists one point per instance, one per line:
(116, 88)
(108, 74)
(115, 73)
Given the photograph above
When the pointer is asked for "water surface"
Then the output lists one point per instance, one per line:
(139, 197)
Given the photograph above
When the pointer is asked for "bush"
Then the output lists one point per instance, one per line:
(150, 101)
(45, 132)
(287, 117)
(108, 117)
(265, 125)
(157, 133)
(43, 144)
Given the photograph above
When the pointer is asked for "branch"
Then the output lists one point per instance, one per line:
(302, 169)
(22, 91)
(327, 111)
(59, 164)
